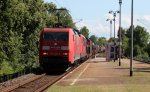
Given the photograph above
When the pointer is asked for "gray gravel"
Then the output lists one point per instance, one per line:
(15, 81)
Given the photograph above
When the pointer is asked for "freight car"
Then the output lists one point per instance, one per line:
(89, 48)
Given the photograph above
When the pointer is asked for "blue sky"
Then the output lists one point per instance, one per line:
(95, 12)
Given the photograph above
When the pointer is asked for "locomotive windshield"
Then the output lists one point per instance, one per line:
(56, 36)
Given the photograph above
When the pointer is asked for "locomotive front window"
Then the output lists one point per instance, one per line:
(56, 36)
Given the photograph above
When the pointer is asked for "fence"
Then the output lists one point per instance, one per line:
(4, 78)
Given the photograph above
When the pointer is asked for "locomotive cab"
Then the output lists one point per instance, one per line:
(57, 48)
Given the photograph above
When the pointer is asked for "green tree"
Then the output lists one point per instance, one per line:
(66, 19)
(85, 31)
(36, 21)
(12, 13)
(147, 49)
(141, 37)
(125, 46)
(125, 42)
(21, 22)
(93, 39)
(51, 17)
(58, 15)
(102, 41)
(140, 40)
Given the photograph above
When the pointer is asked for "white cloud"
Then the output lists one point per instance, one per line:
(126, 21)
(144, 21)
(138, 20)
(147, 17)
(102, 28)
(95, 28)
(109, 16)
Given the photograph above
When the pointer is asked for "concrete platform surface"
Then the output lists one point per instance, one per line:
(98, 75)
(96, 71)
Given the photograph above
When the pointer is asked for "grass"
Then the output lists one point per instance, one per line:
(101, 88)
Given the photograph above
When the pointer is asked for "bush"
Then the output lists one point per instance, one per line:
(6, 68)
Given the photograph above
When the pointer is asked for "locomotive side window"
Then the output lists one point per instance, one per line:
(56, 36)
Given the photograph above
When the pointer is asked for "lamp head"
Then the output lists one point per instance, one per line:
(120, 1)
(110, 12)
(107, 19)
(118, 11)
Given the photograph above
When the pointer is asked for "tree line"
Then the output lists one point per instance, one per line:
(20, 24)
(141, 45)
(141, 41)
(101, 41)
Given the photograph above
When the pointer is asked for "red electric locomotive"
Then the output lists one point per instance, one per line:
(83, 45)
(59, 48)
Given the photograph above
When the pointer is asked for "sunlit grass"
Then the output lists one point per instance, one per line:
(101, 88)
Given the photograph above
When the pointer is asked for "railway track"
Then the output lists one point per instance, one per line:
(38, 83)
(19, 84)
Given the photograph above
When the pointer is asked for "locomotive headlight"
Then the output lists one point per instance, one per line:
(64, 47)
(65, 54)
(45, 48)
(45, 53)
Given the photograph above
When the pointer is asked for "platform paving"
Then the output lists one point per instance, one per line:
(101, 74)
(96, 71)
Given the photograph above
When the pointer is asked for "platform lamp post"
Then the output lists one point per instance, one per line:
(120, 3)
(114, 14)
(131, 56)
(110, 26)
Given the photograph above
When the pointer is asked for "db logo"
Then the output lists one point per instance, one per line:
(55, 43)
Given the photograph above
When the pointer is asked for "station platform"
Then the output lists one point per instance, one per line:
(96, 71)
(107, 76)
